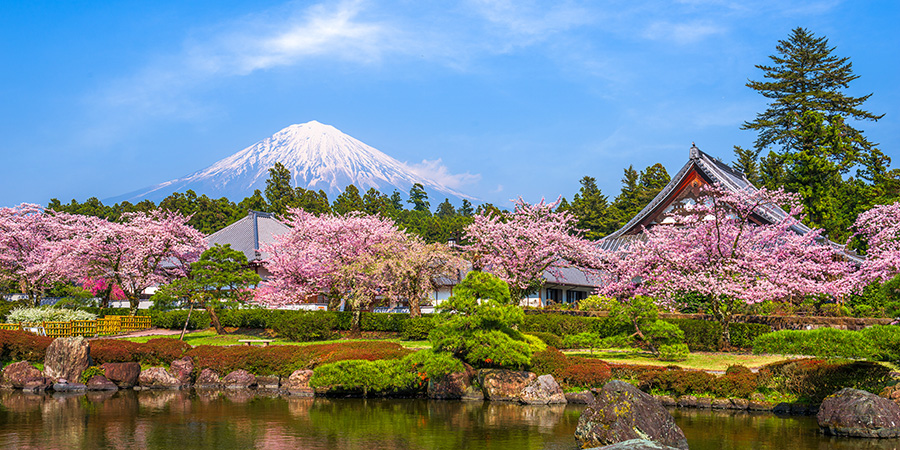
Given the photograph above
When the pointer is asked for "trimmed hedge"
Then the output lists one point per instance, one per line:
(571, 371)
(155, 352)
(417, 328)
(738, 381)
(880, 342)
(550, 339)
(704, 335)
(23, 346)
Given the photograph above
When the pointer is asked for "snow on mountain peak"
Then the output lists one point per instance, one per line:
(319, 156)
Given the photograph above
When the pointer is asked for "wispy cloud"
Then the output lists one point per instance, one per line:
(437, 171)
(681, 33)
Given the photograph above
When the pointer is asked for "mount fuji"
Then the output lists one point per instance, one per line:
(319, 156)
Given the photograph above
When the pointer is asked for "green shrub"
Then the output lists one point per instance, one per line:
(417, 328)
(174, 320)
(380, 377)
(47, 314)
(434, 365)
(661, 333)
(550, 339)
(743, 334)
(248, 317)
(389, 322)
(673, 352)
(91, 372)
(700, 335)
(884, 341)
(815, 379)
(304, 326)
(822, 342)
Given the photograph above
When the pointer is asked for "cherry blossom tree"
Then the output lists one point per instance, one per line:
(340, 256)
(879, 227)
(722, 248)
(419, 271)
(520, 246)
(34, 248)
(143, 250)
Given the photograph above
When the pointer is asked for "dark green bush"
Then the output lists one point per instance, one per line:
(815, 379)
(550, 339)
(884, 340)
(249, 317)
(822, 342)
(382, 322)
(380, 377)
(417, 328)
(304, 326)
(175, 319)
(700, 335)
(674, 352)
(743, 334)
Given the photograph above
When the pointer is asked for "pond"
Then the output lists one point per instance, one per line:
(249, 420)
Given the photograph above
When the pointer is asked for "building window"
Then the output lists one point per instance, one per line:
(575, 296)
(554, 294)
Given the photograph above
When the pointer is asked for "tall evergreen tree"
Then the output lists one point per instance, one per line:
(348, 201)
(652, 180)
(445, 209)
(746, 162)
(418, 197)
(279, 192)
(590, 207)
(465, 209)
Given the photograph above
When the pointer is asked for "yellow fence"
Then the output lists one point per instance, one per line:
(106, 326)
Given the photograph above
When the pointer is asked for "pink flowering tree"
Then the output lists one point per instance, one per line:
(722, 248)
(420, 270)
(34, 248)
(339, 256)
(520, 246)
(879, 228)
(143, 250)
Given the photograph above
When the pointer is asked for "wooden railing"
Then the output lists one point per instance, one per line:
(106, 326)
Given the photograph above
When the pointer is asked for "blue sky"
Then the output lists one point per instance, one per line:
(500, 99)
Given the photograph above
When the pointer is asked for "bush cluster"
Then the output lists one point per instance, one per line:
(22, 346)
(406, 376)
(304, 326)
(155, 352)
(737, 381)
(571, 371)
(705, 336)
(815, 379)
(174, 320)
(880, 343)
(550, 339)
(417, 328)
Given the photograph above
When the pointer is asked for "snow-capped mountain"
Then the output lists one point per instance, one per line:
(319, 156)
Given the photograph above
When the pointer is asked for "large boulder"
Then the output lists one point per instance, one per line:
(622, 412)
(66, 358)
(852, 412)
(208, 379)
(239, 379)
(101, 383)
(542, 391)
(504, 385)
(580, 398)
(449, 387)
(17, 375)
(298, 384)
(182, 369)
(636, 444)
(268, 382)
(124, 375)
(158, 378)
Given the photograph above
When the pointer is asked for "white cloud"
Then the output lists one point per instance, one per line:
(681, 33)
(438, 172)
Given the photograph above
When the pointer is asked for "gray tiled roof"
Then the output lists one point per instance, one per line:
(249, 234)
(571, 276)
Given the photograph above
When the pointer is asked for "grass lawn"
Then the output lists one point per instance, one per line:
(697, 360)
(209, 337)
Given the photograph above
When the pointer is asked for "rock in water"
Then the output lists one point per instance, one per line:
(449, 387)
(298, 383)
(636, 444)
(182, 369)
(67, 358)
(504, 385)
(208, 379)
(239, 379)
(17, 375)
(124, 375)
(543, 391)
(158, 378)
(621, 412)
(851, 412)
(101, 383)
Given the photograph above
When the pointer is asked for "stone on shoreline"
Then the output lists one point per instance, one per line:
(17, 375)
(622, 412)
(636, 444)
(856, 413)
(182, 369)
(298, 384)
(580, 398)
(158, 378)
(239, 379)
(208, 379)
(66, 358)
(542, 391)
(124, 375)
(101, 383)
(504, 385)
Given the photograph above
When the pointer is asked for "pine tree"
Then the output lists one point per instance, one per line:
(806, 77)
(445, 209)
(279, 192)
(466, 209)
(418, 197)
(348, 201)
(590, 207)
(746, 163)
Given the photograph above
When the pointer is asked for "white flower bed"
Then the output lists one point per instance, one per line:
(38, 315)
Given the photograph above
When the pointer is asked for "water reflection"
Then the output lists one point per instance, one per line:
(247, 419)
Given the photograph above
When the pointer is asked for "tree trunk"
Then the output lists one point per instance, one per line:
(722, 311)
(214, 318)
(186, 321)
(415, 308)
(135, 303)
(355, 326)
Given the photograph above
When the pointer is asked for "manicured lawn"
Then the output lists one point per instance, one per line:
(209, 337)
(698, 360)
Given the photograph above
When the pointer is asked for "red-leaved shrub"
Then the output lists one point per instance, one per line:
(23, 346)
(585, 372)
